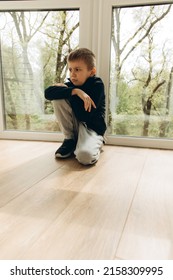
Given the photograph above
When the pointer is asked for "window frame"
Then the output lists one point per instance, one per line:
(104, 66)
(85, 39)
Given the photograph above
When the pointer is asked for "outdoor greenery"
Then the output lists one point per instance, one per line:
(34, 47)
(141, 89)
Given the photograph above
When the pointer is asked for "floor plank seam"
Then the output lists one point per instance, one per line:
(28, 188)
(130, 206)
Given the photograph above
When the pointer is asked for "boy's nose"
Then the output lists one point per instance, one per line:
(73, 74)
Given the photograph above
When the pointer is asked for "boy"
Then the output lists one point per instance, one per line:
(79, 106)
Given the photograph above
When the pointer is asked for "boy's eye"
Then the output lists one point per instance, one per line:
(75, 70)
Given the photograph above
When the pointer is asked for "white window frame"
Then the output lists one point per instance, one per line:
(104, 47)
(85, 40)
(95, 33)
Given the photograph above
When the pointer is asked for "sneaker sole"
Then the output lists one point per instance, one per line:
(61, 156)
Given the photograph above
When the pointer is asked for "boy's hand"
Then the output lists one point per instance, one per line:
(60, 85)
(88, 102)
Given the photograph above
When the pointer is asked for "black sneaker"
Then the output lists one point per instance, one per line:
(66, 149)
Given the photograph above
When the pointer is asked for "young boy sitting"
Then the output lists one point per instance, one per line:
(79, 106)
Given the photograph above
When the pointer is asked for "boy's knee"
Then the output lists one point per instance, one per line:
(59, 102)
(85, 157)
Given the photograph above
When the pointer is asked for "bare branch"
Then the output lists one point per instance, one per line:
(146, 34)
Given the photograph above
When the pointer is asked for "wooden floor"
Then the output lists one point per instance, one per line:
(121, 208)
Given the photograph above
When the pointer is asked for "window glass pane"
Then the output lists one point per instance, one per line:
(141, 72)
(34, 48)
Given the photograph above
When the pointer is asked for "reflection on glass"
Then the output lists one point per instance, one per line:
(141, 73)
(33, 48)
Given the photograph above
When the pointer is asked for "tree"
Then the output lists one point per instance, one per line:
(25, 31)
(60, 44)
(64, 40)
(124, 49)
(35, 45)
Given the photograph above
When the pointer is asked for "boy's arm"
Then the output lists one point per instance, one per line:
(62, 91)
(58, 91)
(96, 92)
(92, 94)
(88, 102)
(91, 99)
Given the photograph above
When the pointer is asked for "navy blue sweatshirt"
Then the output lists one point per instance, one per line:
(94, 87)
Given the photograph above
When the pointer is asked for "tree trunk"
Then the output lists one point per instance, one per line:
(147, 109)
(11, 111)
(164, 126)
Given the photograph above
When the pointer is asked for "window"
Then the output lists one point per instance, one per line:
(34, 48)
(35, 39)
(141, 72)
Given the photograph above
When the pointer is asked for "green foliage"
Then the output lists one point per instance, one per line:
(35, 46)
(38, 123)
(129, 99)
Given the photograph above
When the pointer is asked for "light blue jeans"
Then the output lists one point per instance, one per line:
(89, 143)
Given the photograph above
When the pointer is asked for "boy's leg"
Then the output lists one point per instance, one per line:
(66, 118)
(68, 125)
(89, 145)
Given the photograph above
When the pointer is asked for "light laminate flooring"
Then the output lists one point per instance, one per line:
(120, 208)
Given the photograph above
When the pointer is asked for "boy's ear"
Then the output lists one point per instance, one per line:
(93, 71)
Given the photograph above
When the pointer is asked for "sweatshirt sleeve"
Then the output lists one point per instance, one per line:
(97, 92)
(58, 92)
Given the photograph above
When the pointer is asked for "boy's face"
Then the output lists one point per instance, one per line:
(79, 72)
